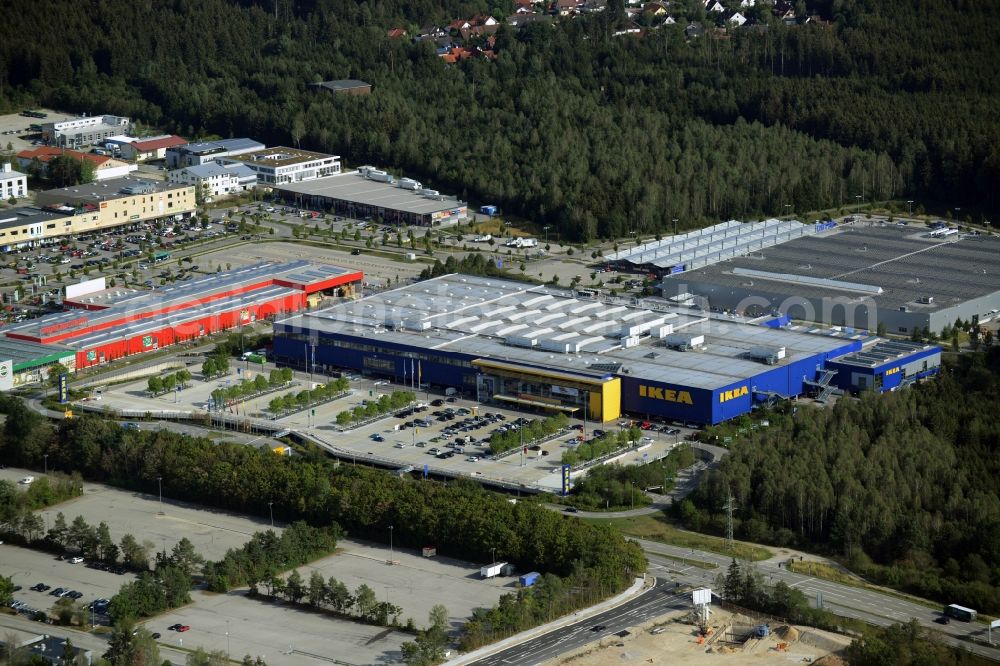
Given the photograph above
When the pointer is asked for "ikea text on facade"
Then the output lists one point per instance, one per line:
(726, 396)
(669, 395)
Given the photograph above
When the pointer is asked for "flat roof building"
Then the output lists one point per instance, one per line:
(281, 165)
(84, 131)
(192, 154)
(29, 361)
(858, 276)
(345, 87)
(537, 346)
(372, 193)
(100, 325)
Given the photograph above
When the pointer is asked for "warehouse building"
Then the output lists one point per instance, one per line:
(543, 348)
(858, 276)
(372, 193)
(101, 325)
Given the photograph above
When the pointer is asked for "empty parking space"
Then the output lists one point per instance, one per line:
(412, 582)
(212, 532)
(279, 634)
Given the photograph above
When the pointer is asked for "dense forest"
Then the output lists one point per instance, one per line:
(570, 125)
(903, 485)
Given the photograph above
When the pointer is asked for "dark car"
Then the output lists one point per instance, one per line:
(571, 509)
(355, 252)
(174, 627)
(598, 627)
(154, 635)
(74, 594)
(438, 402)
(378, 438)
(943, 619)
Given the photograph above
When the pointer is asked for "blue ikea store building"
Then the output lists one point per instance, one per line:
(550, 350)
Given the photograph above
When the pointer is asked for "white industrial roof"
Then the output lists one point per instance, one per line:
(500, 319)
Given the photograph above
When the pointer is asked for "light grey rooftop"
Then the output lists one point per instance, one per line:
(894, 265)
(353, 187)
(550, 327)
(703, 247)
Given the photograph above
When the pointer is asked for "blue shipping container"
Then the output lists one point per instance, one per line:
(488, 210)
(529, 579)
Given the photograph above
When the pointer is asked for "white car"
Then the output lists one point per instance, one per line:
(76, 560)
(27, 481)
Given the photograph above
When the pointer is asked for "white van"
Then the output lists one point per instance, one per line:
(27, 481)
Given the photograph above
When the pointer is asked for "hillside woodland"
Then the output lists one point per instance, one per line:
(595, 134)
(902, 486)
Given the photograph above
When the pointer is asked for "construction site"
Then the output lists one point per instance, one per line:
(728, 638)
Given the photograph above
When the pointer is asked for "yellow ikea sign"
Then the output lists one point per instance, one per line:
(726, 396)
(892, 371)
(669, 395)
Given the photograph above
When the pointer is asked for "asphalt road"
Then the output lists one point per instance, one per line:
(650, 604)
(869, 606)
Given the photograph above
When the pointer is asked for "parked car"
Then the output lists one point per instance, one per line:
(76, 560)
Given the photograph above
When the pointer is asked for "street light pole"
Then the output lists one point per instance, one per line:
(46, 463)
(270, 508)
(858, 197)
(390, 543)
(909, 203)
(159, 484)
(787, 207)
(493, 555)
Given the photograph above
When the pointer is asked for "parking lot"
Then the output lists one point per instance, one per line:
(403, 440)
(211, 531)
(28, 568)
(281, 635)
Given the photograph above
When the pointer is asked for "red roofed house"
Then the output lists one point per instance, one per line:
(105, 167)
(153, 148)
(396, 33)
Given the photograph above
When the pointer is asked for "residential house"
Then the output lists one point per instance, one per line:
(521, 20)
(735, 19)
(565, 7)
(12, 183)
(396, 33)
(747, 4)
(714, 6)
(524, 7)
(670, 20)
(784, 11)
(630, 28)
(105, 168)
(430, 33)
(694, 30)
(655, 8)
(479, 25)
